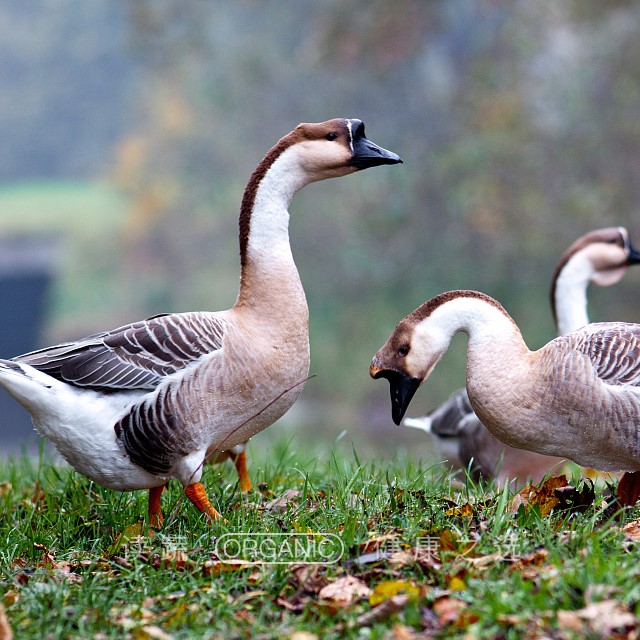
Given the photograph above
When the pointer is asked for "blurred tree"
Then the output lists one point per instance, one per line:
(65, 95)
(517, 122)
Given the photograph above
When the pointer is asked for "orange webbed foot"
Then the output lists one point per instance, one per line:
(156, 519)
(240, 461)
(198, 496)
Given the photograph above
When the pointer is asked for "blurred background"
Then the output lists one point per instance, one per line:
(129, 130)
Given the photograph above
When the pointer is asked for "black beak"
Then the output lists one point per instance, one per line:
(366, 153)
(402, 390)
(634, 255)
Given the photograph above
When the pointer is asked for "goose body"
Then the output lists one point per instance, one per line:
(600, 257)
(134, 407)
(578, 397)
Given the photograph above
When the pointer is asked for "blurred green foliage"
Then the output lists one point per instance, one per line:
(517, 121)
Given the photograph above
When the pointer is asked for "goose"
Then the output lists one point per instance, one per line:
(577, 397)
(136, 406)
(601, 257)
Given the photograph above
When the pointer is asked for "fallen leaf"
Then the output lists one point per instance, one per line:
(543, 496)
(448, 610)
(605, 618)
(631, 530)
(402, 632)
(215, 567)
(390, 588)
(344, 591)
(536, 558)
(384, 610)
(457, 584)
(283, 502)
(5, 487)
(465, 511)
(176, 560)
(486, 561)
(377, 543)
(309, 578)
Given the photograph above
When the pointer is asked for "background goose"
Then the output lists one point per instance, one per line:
(134, 407)
(601, 257)
(578, 397)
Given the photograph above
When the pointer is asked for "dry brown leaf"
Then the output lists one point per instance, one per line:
(402, 632)
(631, 530)
(535, 558)
(283, 502)
(215, 567)
(377, 543)
(383, 610)
(309, 578)
(448, 610)
(177, 560)
(5, 487)
(295, 604)
(465, 511)
(544, 496)
(5, 627)
(486, 561)
(344, 591)
(605, 618)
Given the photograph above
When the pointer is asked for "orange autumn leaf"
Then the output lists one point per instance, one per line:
(465, 511)
(543, 496)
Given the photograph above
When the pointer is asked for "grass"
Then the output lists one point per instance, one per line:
(76, 563)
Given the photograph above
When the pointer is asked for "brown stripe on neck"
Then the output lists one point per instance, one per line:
(249, 196)
(608, 234)
(427, 308)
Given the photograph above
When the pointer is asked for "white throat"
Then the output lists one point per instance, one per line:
(269, 230)
(571, 294)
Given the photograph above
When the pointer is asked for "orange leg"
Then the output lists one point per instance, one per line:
(156, 519)
(629, 488)
(241, 467)
(196, 493)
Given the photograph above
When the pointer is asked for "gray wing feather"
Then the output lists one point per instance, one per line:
(613, 349)
(135, 356)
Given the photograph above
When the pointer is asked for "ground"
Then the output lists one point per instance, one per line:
(325, 546)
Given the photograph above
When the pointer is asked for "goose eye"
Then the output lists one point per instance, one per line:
(403, 350)
(331, 136)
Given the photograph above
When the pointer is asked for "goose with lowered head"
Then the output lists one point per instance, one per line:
(144, 403)
(601, 257)
(577, 397)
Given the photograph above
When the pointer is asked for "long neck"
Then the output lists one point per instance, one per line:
(496, 351)
(500, 368)
(268, 271)
(569, 295)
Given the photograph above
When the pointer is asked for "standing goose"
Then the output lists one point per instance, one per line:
(600, 257)
(578, 397)
(134, 407)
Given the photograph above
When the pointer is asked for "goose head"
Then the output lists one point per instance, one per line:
(409, 355)
(420, 340)
(601, 257)
(335, 148)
